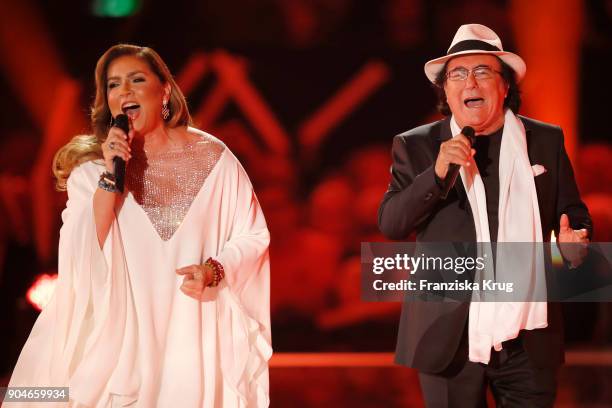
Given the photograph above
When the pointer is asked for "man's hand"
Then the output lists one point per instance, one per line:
(456, 150)
(572, 243)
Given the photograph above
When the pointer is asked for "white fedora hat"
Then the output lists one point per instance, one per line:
(476, 39)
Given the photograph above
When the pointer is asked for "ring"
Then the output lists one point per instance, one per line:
(111, 145)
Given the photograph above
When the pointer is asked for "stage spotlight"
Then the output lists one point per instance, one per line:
(41, 291)
(557, 258)
(115, 8)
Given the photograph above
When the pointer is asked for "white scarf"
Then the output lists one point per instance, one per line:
(493, 322)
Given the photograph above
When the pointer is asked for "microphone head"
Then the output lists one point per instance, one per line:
(470, 133)
(123, 123)
(468, 130)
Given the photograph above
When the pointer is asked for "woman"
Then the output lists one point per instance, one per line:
(163, 292)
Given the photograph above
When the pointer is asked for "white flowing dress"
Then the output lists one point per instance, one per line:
(118, 330)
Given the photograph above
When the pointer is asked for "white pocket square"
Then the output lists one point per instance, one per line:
(538, 169)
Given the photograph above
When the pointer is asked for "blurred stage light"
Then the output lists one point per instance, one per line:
(41, 291)
(115, 8)
(557, 258)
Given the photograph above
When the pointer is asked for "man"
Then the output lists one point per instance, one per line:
(521, 188)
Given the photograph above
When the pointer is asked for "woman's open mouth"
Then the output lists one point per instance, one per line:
(131, 109)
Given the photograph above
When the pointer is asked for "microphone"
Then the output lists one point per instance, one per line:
(123, 123)
(453, 168)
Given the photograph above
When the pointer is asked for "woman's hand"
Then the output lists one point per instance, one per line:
(117, 144)
(195, 279)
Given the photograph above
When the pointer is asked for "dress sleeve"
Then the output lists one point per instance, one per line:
(244, 295)
(74, 338)
(244, 254)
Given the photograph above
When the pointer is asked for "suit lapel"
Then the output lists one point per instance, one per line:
(534, 158)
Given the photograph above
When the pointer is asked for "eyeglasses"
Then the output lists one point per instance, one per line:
(480, 72)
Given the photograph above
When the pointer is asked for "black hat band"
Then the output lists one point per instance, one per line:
(472, 45)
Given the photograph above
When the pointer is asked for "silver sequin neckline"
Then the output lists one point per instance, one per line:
(165, 184)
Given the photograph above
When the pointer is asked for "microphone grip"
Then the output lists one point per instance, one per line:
(123, 123)
(119, 171)
(450, 179)
(453, 168)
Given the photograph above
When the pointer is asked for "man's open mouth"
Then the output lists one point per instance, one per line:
(474, 102)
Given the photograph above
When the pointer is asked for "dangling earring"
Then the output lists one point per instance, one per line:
(165, 110)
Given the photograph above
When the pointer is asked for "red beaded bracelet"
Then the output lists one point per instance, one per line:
(218, 271)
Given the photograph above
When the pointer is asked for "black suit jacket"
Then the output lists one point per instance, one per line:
(430, 333)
